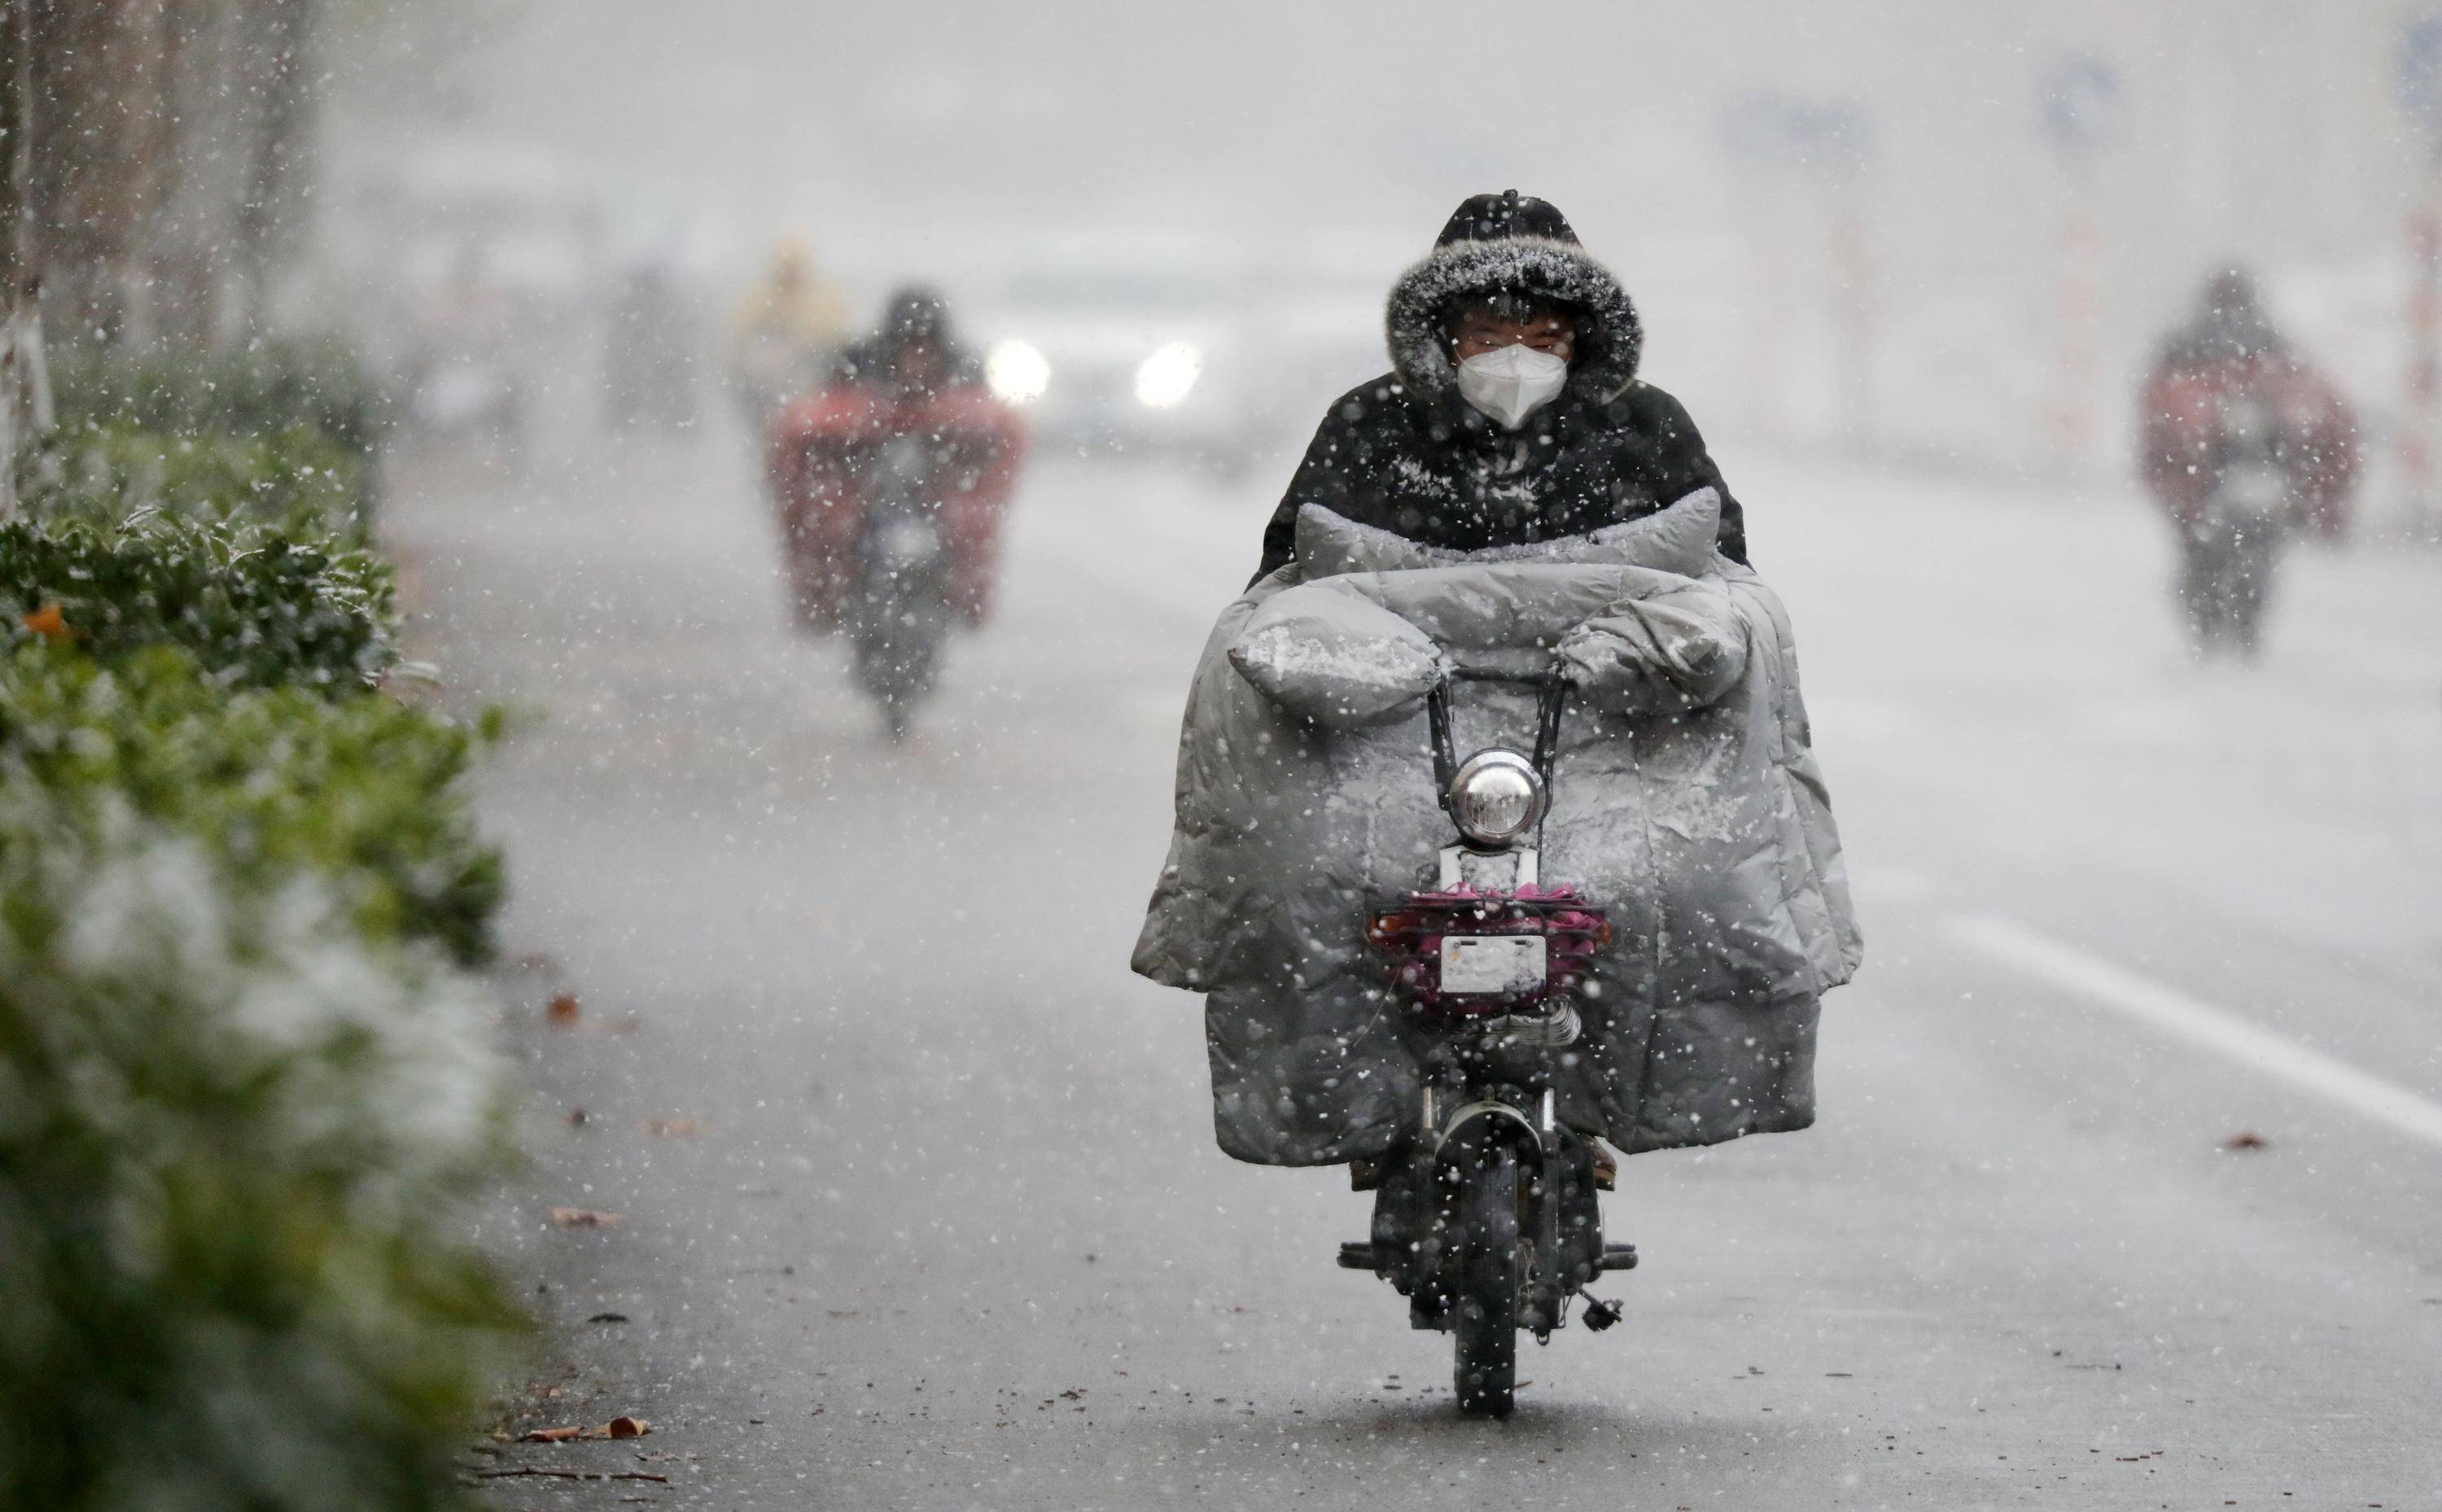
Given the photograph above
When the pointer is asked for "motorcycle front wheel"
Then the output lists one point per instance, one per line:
(1483, 1321)
(897, 651)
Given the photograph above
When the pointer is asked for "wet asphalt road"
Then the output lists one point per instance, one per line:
(935, 1219)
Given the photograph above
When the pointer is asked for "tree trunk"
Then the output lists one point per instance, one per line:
(23, 393)
(271, 218)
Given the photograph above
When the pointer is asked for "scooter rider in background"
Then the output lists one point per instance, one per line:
(784, 332)
(890, 479)
(2243, 443)
(1514, 413)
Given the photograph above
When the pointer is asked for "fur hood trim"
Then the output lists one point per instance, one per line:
(1610, 337)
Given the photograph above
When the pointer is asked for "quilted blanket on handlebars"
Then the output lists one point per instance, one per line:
(1689, 804)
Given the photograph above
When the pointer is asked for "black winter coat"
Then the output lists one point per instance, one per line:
(1407, 454)
(1447, 476)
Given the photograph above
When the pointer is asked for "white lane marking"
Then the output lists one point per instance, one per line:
(2202, 1023)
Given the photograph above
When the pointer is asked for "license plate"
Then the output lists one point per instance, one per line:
(1492, 963)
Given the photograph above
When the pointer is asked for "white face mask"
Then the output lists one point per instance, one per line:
(1512, 382)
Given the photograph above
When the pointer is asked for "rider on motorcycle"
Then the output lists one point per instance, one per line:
(2228, 348)
(1513, 412)
(2243, 443)
(1626, 940)
(905, 408)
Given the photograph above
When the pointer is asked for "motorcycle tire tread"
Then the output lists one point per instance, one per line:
(1484, 1315)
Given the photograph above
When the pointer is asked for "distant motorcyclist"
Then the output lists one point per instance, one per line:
(2229, 346)
(2242, 443)
(1513, 412)
(785, 330)
(903, 433)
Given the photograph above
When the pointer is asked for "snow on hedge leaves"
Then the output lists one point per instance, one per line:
(255, 606)
(351, 1059)
(235, 1133)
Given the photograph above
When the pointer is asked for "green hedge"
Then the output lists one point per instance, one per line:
(254, 605)
(231, 1131)
(364, 792)
(246, 1077)
(103, 473)
(279, 433)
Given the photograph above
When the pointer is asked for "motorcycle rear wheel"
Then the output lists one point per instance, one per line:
(898, 654)
(1483, 1322)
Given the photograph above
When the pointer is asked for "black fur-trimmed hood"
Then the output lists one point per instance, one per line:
(1610, 337)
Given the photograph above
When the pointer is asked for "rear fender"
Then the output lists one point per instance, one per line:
(1475, 1127)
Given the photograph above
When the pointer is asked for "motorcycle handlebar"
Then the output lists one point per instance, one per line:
(1550, 676)
(1552, 683)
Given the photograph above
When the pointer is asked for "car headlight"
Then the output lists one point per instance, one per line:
(1496, 798)
(1164, 378)
(1016, 373)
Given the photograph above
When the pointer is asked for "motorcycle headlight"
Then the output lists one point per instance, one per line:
(1497, 798)
(1016, 373)
(1164, 378)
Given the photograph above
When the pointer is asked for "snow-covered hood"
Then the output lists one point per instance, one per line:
(1610, 336)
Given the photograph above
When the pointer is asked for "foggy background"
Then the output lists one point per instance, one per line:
(1921, 261)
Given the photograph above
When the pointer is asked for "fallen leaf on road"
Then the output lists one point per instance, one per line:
(620, 1427)
(563, 1011)
(2247, 1139)
(586, 1219)
(673, 1128)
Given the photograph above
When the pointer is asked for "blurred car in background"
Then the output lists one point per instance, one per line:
(1137, 358)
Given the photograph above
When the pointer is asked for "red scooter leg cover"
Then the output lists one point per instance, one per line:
(2181, 428)
(991, 443)
(813, 462)
(812, 468)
